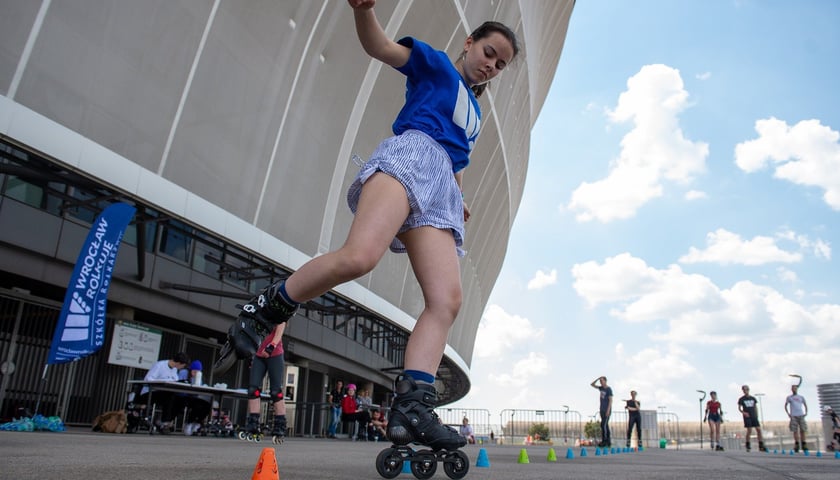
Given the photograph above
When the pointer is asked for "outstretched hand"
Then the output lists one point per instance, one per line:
(362, 4)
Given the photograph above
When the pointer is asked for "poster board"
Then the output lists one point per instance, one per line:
(134, 345)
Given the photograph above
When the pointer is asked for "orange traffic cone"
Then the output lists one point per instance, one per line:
(266, 468)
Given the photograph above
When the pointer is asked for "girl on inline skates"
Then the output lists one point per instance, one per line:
(408, 197)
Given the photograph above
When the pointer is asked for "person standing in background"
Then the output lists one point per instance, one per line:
(634, 417)
(797, 408)
(714, 415)
(748, 406)
(605, 409)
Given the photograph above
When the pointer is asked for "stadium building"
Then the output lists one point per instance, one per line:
(231, 127)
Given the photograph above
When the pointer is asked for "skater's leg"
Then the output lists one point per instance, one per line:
(381, 211)
(435, 263)
(276, 367)
(434, 260)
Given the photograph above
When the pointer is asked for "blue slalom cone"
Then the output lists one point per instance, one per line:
(807, 453)
(482, 460)
(819, 454)
(406, 467)
(784, 452)
(775, 452)
(597, 451)
(569, 454)
(836, 454)
(792, 452)
(583, 452)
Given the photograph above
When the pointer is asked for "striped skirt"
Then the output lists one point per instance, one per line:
(423, 167)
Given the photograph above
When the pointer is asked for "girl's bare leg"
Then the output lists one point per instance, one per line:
(435, 264)
(382, 209)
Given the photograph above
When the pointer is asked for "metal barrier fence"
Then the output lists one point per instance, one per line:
(520, 426)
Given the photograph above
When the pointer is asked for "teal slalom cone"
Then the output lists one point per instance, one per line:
(597, 451)
(482, 460)
(583, 452)
(407, 467)
(569, 454)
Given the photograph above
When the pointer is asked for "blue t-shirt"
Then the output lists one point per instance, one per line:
(438, 102)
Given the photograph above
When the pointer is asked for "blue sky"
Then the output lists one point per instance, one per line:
(681, 213)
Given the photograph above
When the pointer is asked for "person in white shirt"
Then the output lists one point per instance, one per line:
(796, 408)
(466, 431)
(164, 370)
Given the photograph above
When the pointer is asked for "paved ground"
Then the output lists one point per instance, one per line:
(79, 454)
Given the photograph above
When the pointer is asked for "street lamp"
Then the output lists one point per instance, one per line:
(661, 409)
(761, 406)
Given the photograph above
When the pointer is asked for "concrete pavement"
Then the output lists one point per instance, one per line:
(79, 454)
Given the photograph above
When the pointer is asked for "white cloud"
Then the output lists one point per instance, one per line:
(523, 371)
(655, 150)
(725, 248)
(542, 280)
(695, 309)
(703, 76)
(807, 153)
(499, 331)
(650, 370)
(787, 275)
(695, 195)
(819, 248)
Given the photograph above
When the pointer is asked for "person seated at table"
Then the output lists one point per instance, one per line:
(351, 411)
(466, 431)
(166, 370)
(198, 405)
(377, 426)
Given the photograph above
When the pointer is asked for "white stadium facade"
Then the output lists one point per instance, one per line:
(231, 126)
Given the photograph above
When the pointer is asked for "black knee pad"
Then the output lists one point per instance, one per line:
(254, 392)
(276, 396)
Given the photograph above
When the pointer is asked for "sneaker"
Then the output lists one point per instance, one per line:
(188, 429)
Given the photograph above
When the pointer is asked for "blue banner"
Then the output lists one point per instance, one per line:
(81, 325)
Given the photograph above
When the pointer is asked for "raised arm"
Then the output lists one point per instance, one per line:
(373, 38)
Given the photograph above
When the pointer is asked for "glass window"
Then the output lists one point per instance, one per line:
(207, 256)
(175, 242)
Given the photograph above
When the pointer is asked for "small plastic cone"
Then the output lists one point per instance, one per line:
(583, 452)
(597, 451)
(266, 468)
(482, 460)
(552, 455)
(406, 467)
(570, 454)
(523, 457)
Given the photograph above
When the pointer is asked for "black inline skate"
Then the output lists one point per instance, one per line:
(278, 429)
(256, 319)
(413, 420)
(253, 430)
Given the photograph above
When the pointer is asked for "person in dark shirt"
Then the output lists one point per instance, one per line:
(748, 406)
(634, 417)
(605, 409)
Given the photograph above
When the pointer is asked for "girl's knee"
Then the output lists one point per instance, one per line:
(355, 263)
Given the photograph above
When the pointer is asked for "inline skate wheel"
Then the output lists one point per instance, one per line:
(242, 435)
(424, 464)
(456, 464)
(277, 439)
(389, 463)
